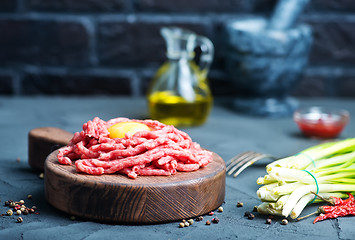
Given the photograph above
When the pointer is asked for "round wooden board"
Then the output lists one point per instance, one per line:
(147, 199)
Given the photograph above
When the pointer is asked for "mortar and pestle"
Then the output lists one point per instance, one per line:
(265, 59)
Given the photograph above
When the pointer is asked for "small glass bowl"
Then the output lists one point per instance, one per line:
(321, 122)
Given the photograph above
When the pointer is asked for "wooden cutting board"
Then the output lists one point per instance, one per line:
(147, 199)
(42, 141)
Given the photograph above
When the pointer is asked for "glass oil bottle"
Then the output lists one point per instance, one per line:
(179, 94)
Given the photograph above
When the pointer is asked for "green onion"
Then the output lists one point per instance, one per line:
(327, 169)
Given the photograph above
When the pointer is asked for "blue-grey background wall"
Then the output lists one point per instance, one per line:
(113, 47)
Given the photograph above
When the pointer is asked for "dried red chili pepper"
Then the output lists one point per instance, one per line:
(349, 200)
(339, 212)
(343, 208)
(336, 200)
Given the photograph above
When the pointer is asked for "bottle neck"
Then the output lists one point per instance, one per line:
(175, 55)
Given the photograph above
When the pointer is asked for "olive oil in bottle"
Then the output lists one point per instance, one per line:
(179, 94)
(175, 110)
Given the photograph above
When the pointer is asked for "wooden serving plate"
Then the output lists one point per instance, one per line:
(147, 199)
(42, 141)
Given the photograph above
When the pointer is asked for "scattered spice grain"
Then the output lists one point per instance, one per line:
(199, 218)
(9, 212)
(251, 216)
(208, 222)
(284, 221)
(181, 225)
(19, 219)
(215, 220)
(240, 204)
(220, 209)
(268, 221)
(190, 221)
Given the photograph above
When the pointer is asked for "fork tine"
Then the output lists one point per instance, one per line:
(246, 158)
(243, 160)
(262, 156)
(237, 159)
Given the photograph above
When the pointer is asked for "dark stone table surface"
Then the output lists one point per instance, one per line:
(226, 133)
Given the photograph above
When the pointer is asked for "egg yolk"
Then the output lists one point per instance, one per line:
(120, 129)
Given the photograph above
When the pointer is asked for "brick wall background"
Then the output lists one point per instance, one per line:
(113, 47)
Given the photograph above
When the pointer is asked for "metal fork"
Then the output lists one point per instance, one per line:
(243, 160)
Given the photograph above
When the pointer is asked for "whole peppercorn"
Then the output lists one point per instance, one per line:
(25, 212)
(199, 218)
(29, 196)
(211, 213)
(9, 212)
(251, 216)
(186, 224)
(268, 221)
(18, 212)
(215, 220)
(19, 219)
(240, 204)
(7, 203)
(284, 221)
(246, 214)
(34, 208)
(190, 221)
(208, 222)
(181, 225)
(21, 202)
(41, 175)
(220, 209)
(12, 204)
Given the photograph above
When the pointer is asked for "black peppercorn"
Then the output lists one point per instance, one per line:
(19, 219)
(251, 216)
(284, 221)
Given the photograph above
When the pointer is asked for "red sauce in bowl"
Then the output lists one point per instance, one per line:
(321, 122)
